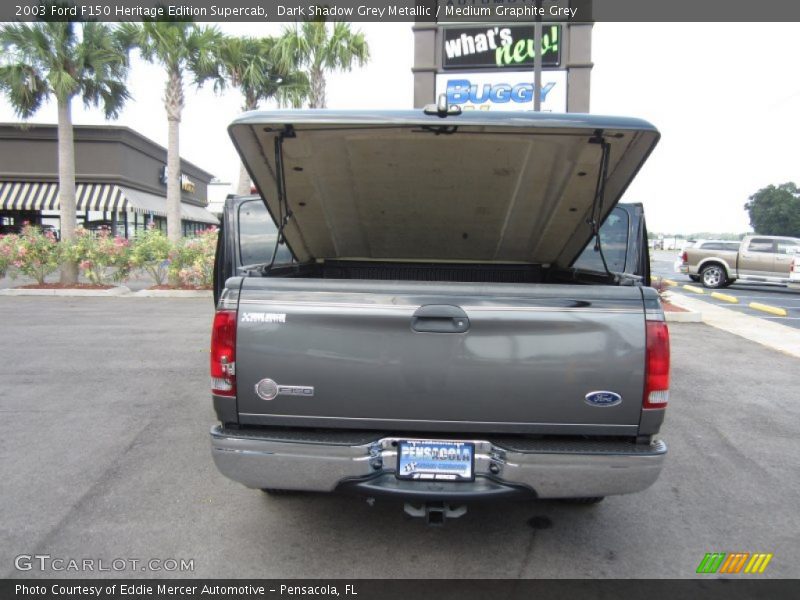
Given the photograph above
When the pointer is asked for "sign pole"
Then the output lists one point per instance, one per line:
(537, 58)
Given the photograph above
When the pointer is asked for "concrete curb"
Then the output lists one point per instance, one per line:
(767, 333)
(690, 316)
(173, 294)
(115, 291)
(683, 317)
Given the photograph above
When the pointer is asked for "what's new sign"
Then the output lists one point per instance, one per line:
(509, 46)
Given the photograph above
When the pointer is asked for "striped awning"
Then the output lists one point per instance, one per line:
(197, 214)
(28, 196)
(93, 196)
(144, 203)
(44, 196)
(97, 197)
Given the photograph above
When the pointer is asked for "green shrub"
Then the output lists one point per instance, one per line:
(33, 253)
(192, 259)
(8, 245)
(150, 253)
(101, 257)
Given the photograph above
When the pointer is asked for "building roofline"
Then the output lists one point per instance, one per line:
(118, 133)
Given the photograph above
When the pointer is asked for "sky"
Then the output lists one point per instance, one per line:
(725, 96)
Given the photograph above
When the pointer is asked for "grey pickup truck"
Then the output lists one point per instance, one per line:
(424, 305)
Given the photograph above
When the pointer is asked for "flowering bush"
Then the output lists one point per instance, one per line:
(8, 248)
(192, 259)
(104, 259)
(101, 257)
(32, 253)
(150, 253)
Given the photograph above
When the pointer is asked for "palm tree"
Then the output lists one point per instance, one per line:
(319, 48)
(63, 59)
(248, 64)
(180, 47)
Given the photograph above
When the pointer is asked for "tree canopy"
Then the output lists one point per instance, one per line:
(63, 59)
(318, 48)
(775, 210)
(250, 65)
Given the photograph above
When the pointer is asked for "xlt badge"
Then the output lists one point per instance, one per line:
(263, 317)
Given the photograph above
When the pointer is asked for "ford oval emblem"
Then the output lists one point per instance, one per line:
(603, 398)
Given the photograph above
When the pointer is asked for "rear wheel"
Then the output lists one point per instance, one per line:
(713, 276)
(589, 500)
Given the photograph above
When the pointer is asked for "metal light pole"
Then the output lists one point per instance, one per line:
(537, 58)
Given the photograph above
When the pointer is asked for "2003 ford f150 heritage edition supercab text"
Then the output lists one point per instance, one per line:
(447, 321)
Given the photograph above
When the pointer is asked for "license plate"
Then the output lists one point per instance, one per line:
(435, 460)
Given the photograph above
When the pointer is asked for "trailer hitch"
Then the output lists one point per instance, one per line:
(435, 513)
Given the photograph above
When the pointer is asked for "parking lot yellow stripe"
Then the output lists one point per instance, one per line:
(670, 282)
(774, 310)
(693, 288)
(725, 297)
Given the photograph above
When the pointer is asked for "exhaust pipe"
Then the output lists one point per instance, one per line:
(435, 513)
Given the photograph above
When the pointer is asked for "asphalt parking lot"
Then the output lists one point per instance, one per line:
(662, 265)
(104, 454)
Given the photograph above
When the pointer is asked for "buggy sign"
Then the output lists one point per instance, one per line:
(508, 90)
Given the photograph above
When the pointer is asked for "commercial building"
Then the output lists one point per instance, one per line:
(490, 66)
(120, 179)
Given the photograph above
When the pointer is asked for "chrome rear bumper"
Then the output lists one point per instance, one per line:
(547, 468)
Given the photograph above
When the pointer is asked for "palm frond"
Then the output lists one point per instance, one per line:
(64, 59)
(25, 88)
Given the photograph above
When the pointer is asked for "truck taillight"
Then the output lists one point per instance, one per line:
(684, 257)
(223, 353)
(656, 376)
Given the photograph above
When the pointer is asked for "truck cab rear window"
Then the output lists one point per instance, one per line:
(761, 245)
(614, 239)
(257, 235)
(729, 246)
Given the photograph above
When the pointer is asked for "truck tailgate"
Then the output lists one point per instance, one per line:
(459, 357)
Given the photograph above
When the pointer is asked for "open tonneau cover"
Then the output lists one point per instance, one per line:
(403, 185)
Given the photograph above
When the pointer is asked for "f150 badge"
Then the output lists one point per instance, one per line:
(266, 389)
(603, 398)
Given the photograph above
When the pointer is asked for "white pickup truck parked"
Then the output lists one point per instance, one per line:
(794, 273)
(758, 259)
